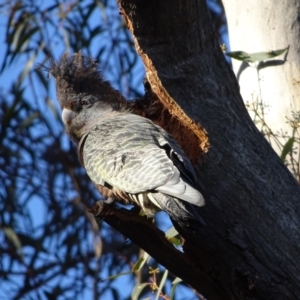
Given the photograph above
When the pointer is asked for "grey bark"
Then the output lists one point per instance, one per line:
(250, 245)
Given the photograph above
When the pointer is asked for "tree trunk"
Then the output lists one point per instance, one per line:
(263, 26)
(250, 246)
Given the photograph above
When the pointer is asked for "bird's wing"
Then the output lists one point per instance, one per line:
(126, 153)
(179, 159)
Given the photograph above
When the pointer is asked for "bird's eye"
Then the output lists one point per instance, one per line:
(83, 103)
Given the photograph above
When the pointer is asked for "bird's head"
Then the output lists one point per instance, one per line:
(84, 97)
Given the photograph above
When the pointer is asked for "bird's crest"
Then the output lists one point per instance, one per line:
(76, 69)
(80, 75)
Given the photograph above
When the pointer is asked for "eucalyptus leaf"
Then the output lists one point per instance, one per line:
(257, 56)
(172, 232)
(172, 236)
(13, 237)
(137, 290)
(175, 283)
(287, 148)
(162, 283)
(138, 265)
(176, 280)
(116, 276)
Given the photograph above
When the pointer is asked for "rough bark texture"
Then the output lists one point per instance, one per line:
(250, 246)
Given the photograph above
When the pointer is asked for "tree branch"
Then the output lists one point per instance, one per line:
(144, 233)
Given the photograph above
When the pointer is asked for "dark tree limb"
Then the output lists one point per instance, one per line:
(144, 233)
(251, 242)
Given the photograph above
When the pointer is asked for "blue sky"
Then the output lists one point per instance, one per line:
(110, 65)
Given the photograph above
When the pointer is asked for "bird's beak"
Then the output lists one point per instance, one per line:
(67, 115)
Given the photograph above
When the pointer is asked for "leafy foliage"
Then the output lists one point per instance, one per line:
(254, 57)
(50, 243)
(51, 247)
(287, 143)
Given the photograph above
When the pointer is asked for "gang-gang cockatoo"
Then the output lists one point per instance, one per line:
(127, 157)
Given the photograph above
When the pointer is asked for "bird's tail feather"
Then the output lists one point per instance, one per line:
(180, 211)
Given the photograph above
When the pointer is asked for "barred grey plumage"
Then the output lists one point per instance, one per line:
(125, 155)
